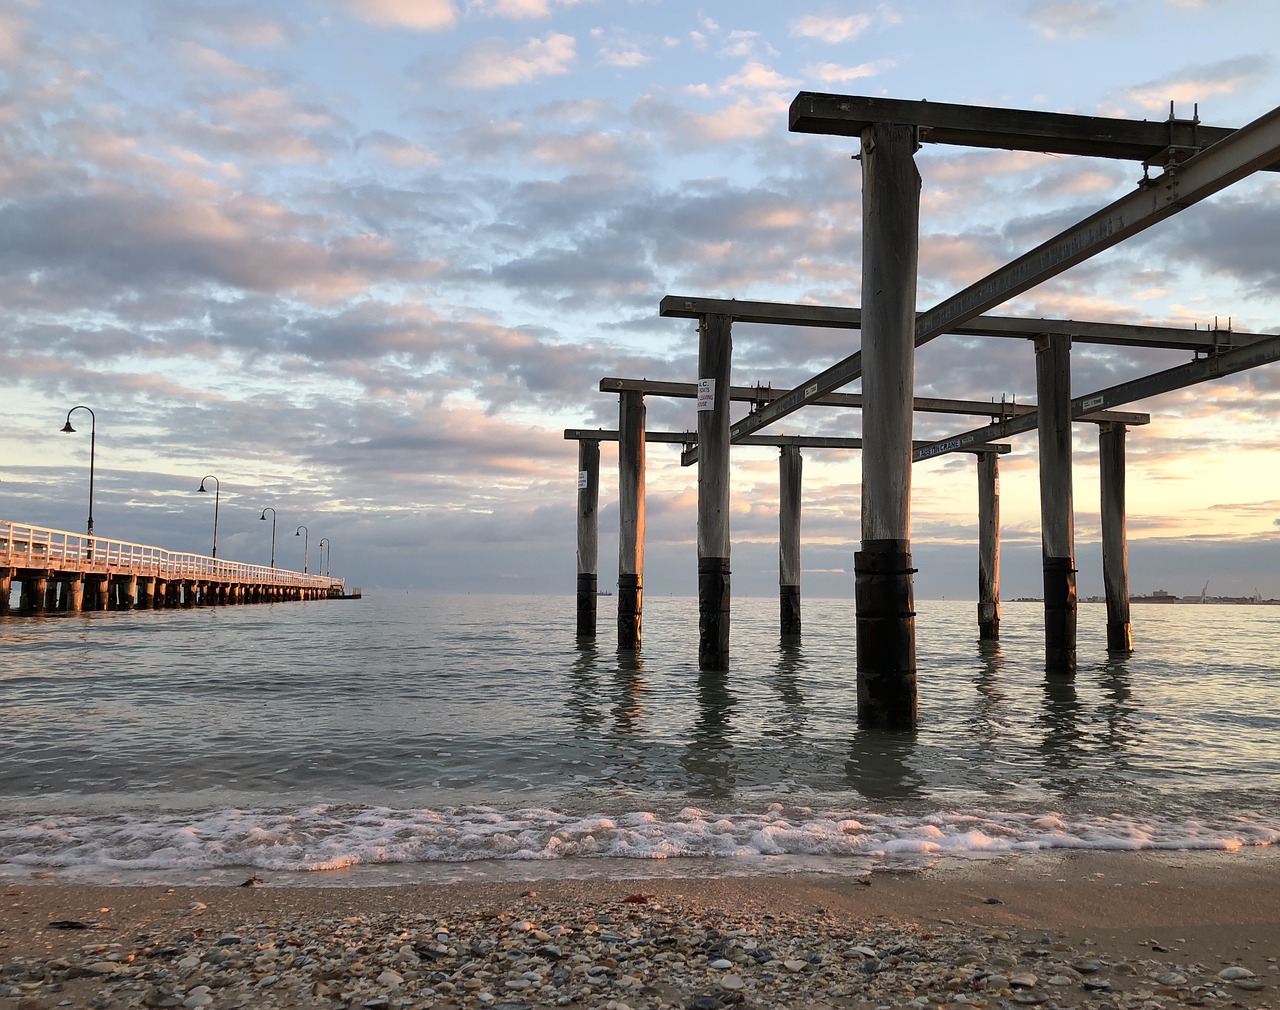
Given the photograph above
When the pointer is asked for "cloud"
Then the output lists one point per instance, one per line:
(836, 73)
(415, 15)
(1072, 19)
(497, 63)
(831, 29)
(518, 10)
(1198, 83)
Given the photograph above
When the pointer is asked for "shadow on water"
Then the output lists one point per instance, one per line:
(793, 718)
(1119, 711)
(1062, 746)
(583, 697)
(629, 689)
(708, 757)
(879, 765)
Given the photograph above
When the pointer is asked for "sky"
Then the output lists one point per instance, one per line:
(363, 261)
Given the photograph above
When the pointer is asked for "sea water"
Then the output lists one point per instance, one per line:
(427, 737)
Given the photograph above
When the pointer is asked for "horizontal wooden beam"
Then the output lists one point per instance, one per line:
(924, 404)
(1156, 143)
(1207, 340)
(1179, 377)
(804, 441)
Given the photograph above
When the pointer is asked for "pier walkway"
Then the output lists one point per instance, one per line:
(57, 570)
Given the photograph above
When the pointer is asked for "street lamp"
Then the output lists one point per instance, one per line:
(324, 542)
(263, 517)
(305, 549)
(93, 438)
(217, 495)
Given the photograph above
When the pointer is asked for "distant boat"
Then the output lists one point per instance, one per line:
(603, 592)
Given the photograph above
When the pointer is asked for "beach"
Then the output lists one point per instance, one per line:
(1091, 929)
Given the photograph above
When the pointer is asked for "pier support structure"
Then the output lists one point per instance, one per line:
(988, 546)
(1115, 546)
(1057, 520)
(886, 663)
(588, 535)
(790, 470)
(631, 509)
(715, 352)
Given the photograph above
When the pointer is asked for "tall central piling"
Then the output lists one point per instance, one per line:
(715, 352)
(882, 568)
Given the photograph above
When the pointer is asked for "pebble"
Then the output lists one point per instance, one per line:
(620, 956)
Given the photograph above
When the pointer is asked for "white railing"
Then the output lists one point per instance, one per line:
(35, 547)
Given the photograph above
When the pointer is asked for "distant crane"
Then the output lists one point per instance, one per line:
(1204, 592)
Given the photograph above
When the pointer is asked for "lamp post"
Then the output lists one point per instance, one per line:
(324, 568)
(93, 439)
(263, 517)
(217, 495)
(305, 549)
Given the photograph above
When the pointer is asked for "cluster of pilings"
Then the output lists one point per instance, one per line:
(1197, 160)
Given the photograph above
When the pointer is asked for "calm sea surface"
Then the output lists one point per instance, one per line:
(429, 737)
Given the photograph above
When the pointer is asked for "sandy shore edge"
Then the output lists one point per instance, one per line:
(1189, 914)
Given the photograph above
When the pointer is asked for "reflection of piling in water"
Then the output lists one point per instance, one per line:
(708, 757)
(879, 764)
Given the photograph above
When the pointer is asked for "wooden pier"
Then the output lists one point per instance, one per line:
(1194, 161)
(70, 572)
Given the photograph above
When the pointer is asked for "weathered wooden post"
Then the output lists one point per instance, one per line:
(128, 591)
(1115, 544)
(101, 595)
(51, 594)
(1057, 520)
(883, 586)
(6, 590)
(790, 467)
(75, 594)
(988, 545)
(36, 600)
(631, 503)
(715, 354)
(588, 534)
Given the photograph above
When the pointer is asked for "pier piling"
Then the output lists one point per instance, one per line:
(1057, 523)
(588, 534)
(715, 353)
(790, 468)
(631, 508)
(1115, 546)
(883, 585)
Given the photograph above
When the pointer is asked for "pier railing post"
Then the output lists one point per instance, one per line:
(1057, 519)
(588, 534)
(715, 353)
(631, 509)
(883, 583)
(1115, 545)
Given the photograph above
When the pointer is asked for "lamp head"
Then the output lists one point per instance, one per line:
(263, 517)
(67, 427)
(201, 487)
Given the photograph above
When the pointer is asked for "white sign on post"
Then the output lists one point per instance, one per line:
(706, 394)
(582, 480)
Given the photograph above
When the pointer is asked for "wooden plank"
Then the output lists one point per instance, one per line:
(1207, 339)
(1006, 129)
(923, 404)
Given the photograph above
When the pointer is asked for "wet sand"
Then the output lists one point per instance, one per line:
(1077, 930)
